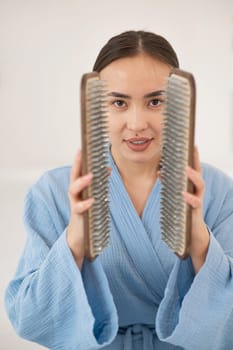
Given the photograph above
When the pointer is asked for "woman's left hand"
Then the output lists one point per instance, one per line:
(199, 236)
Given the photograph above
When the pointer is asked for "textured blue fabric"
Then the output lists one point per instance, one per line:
(137, 295)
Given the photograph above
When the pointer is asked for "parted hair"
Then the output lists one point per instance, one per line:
(131, 43)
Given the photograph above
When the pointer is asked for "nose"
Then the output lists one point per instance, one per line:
(136, 120)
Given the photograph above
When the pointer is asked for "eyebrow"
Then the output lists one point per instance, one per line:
(154, 93)
(150, 94)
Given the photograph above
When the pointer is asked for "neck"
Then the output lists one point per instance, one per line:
(135, 171)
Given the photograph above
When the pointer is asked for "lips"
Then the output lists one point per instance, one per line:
(138, 144)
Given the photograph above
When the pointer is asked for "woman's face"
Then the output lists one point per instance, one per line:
(135, 100)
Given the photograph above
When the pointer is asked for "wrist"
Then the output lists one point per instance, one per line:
(76, 247)
(199, 251)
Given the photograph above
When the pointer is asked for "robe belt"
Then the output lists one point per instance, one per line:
(136, 332)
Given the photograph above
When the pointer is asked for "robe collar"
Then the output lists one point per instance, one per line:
(136, 232)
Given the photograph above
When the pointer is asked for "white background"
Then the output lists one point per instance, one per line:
(45, 47)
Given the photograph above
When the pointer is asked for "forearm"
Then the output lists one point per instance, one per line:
(203, 315)
(51, 305)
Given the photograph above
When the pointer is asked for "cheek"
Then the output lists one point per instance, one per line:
(157, 125)
(112, 129)
(114, 125)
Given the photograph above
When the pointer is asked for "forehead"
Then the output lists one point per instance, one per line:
(133, 73)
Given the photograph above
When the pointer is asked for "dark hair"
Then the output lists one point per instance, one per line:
(131, 43)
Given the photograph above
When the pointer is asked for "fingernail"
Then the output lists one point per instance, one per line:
(87, 177)
(190, 169)
(78, 154)
(80, 206)
(90, 201)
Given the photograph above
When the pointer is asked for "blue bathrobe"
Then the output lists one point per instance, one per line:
(137, 294)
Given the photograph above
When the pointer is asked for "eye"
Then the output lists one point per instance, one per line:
(156, 102)
(119, 103)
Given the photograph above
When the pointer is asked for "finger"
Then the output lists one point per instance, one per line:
(196, 160)
(79, 184)
(197, 180)
(194, 201)
(81, 206)
(77, 167)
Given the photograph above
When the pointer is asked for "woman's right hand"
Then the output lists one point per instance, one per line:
(75, 232)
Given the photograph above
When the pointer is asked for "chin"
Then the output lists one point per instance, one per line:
(143, 158)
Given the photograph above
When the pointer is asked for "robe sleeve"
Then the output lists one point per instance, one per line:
(50, 301)
(197, 311)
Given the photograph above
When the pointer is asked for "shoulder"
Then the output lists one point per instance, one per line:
(46, 204)
(214, 176)
(57, 174)
(53, 182)
(218, 198)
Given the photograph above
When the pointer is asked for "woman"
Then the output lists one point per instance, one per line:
(137, 294)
